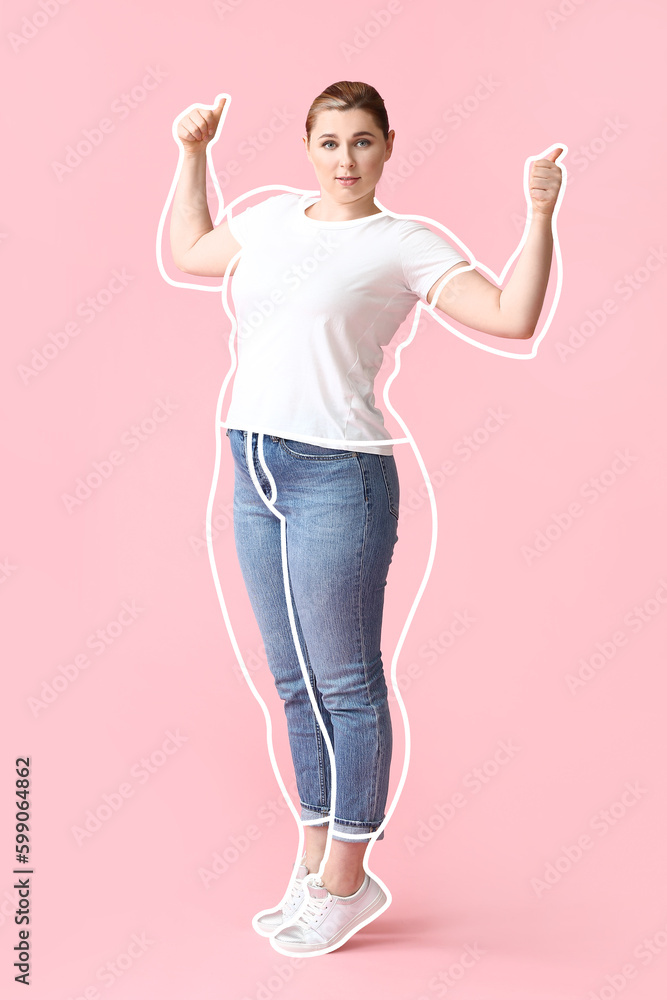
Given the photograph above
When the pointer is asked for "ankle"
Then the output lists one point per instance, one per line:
(343, 885)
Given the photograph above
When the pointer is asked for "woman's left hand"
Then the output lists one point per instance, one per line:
(544, 183)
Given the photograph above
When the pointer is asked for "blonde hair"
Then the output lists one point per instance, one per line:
(347, 95)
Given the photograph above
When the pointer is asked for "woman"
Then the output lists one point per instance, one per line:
(323, 285)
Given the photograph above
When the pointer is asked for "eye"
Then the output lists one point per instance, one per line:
(331, 142)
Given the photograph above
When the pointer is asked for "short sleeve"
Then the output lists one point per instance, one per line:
(425, 256)
(246, 226)
(243, 225)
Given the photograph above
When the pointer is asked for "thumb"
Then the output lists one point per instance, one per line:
(554, 154)
(217, 110)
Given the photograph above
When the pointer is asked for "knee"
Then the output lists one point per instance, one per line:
(291, 689)
(366, 692)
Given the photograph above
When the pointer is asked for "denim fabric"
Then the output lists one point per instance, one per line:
(339, 524)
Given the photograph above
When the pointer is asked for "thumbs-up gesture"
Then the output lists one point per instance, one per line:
(198, 126)
(544, 182)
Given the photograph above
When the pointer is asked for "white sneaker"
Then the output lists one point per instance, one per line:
(267, 921)
(326, 921)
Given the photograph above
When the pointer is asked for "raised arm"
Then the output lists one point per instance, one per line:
(197, 246)
(513, 311)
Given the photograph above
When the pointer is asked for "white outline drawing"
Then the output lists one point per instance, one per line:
(421, 306)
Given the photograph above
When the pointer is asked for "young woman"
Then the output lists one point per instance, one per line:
(323, 284)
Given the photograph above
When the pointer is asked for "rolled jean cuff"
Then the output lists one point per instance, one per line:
(361, 831)
(308, 814)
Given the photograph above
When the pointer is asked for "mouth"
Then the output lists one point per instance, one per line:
(347, 181)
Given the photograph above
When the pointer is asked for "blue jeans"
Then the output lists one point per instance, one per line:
(333, 527)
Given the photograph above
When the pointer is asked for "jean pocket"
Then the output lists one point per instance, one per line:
(302, 449)
(390, 476)
(237, 446)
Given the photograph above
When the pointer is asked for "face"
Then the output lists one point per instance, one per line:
(348, 144)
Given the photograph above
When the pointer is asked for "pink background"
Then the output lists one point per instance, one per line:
(465, 884)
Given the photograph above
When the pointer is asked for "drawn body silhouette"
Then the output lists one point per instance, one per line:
(259, 446)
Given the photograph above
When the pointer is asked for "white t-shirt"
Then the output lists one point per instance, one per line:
(315, 302)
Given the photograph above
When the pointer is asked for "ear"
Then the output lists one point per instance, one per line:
(305, 142)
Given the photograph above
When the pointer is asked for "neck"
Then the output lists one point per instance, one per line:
(327, 209)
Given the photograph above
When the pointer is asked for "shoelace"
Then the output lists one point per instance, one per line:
(295, 889)
(315, 905)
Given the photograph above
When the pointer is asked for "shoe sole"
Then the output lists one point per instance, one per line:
(373, 910)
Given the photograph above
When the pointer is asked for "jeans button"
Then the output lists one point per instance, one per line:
(273, 438)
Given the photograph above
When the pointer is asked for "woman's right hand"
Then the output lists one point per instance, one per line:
(196, 129)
